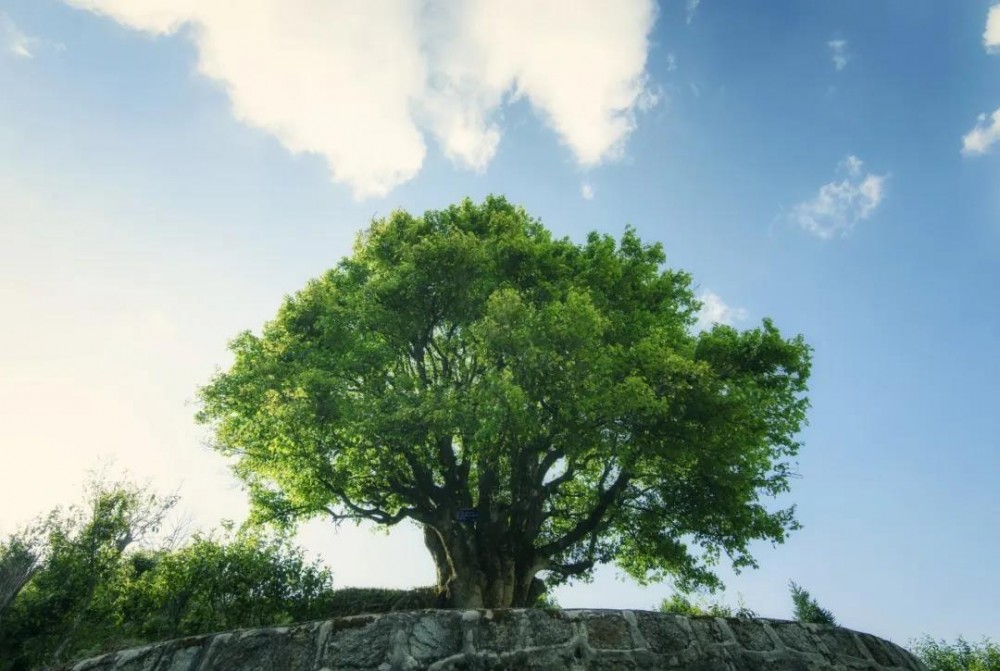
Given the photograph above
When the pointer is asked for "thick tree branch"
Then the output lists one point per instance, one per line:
(375, 513)
(445, 363)
(446, 452)
(589, 523)
(575, 568)
(422, 478)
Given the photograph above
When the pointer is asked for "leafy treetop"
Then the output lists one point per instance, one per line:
(466, 364)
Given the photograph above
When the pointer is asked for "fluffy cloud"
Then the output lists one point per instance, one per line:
(715, 311)
(840, 205)
(991, 37)
(587, 191)
(983, 135)
(359, 83)
(838, 52)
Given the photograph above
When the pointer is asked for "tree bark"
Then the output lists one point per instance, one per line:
(457, 581)
(472, 572)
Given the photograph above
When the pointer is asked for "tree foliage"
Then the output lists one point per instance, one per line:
(536, 406)
(958, 656)
(807, 609)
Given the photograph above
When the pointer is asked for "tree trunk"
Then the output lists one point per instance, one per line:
(471, 576)
(457, 571)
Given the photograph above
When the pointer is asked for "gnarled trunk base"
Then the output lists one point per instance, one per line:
(470, 579)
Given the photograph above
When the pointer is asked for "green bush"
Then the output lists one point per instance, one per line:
(246, 579)
(807, 609)
(958, 656)
(679, 604)
(361, 600)
(83, 582)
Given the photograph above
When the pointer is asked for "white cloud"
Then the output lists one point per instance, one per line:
(650, 97)
(715, 311)
(358, 83)
(691, 8)
(991, 36)
(987, 129)
(587, 191)
(671, 61)
(15, 42)
(851, 165)
(838, 52)
(840, 205)
(983, 135)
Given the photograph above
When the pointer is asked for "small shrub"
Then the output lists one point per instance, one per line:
(679, 604)
(807, 609)
(362, 600)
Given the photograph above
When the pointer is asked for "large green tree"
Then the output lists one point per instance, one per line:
(536, 406)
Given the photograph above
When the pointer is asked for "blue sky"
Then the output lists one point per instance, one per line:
(170, 170)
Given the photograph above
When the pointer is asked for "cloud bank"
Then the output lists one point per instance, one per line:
(840, 205)
(361, 83)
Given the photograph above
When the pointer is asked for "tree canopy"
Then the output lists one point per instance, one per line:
(537, 406)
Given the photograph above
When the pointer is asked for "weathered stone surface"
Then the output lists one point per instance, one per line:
(512, 640)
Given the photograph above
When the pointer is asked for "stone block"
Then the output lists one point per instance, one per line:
(795, 636)
(664, 633)
(361, 642)
(435, 634)
(547, 628)
(708, 632)
(497, 631)
(608, 631)
(752, 635)
(842, 644)
(140, 659)
(249, 650)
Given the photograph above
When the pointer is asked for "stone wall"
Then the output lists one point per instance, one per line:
(439, 640)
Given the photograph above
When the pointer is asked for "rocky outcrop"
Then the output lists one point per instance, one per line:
(439, 640)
